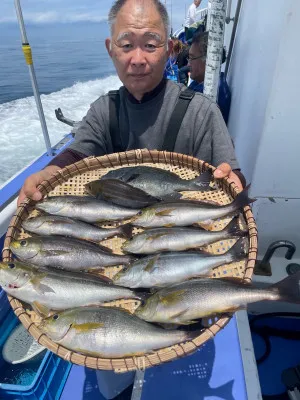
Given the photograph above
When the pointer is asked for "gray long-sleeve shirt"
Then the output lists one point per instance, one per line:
(203, 133)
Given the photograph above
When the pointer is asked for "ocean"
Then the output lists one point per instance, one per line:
(73, 69)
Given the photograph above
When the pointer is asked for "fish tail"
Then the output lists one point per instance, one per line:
(203, 180)
(239, 250)
(126, 231)
(242, 199)
(233, 228)
(289, 288)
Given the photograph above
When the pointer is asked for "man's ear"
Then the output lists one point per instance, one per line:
(108, 45)
(170, 47)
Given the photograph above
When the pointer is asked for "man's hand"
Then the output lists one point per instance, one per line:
(224, 171)
(29, 188)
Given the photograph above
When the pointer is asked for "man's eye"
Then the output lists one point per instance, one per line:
(127, 46)
(150, 46)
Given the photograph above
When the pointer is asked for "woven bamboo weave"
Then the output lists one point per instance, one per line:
(71, 181)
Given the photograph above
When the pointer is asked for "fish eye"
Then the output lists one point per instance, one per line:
(11, 265)
(140, 213)
(55, 317)
(23, 243)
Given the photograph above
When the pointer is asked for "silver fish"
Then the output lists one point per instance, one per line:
(188, 212)
(178, 239)
(108, 332)
(121, 193)
(158, 182)
(167, 268)
(55, 225)
(84, 208)
(184, 303)
(46, 288)
(66, 253)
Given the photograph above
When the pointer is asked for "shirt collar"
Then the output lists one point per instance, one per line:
(148, 96)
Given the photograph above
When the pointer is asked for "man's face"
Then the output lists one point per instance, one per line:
(197, 62)
(197, 3)
(138, 46)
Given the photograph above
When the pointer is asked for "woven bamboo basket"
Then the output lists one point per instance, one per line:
(70, 181)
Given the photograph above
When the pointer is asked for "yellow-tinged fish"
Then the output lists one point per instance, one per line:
(184, 303)
(109, 332)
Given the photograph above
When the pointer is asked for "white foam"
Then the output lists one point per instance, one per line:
(21, 137)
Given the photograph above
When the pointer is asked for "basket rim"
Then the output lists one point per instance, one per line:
(127, 158)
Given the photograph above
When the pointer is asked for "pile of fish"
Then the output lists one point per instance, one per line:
(162, 267)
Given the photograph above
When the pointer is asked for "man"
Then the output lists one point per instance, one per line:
(139, 48)
(197, 64)
(191, 16)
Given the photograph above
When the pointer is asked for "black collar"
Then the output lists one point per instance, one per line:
(147, 96)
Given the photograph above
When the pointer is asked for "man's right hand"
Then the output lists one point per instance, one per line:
(29, 188)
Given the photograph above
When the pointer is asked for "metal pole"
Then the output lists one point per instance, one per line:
(215, 26)
(236, 20)
(28, 57)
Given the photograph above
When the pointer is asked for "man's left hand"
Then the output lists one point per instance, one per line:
(224, 171)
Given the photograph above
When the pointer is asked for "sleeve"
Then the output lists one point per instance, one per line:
(213, 142)
(91, 137)
(67, 157)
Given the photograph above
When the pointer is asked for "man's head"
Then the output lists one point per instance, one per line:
(197, 3)
(139, 44)
(197, 56)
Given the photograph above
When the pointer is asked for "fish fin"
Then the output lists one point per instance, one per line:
(87, 327)
(150, 266)
(203, 181)
(133, 177)
(289, 288)
(40, 287)
(40, 309)
(190, 322)
(103, 278)
(153, 237)
(242, 199)
(165, 213)
(233, 228)
(104, 248)
(239, 249)
(45, 289)
(235, 280)
(172, 297)
(207, 225)
(126, 231)
(169, 225)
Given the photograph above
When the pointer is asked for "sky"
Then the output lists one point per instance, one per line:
(62, 11)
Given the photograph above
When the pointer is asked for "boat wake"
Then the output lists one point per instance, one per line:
(21, 137)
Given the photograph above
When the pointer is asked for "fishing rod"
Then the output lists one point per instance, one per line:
(28, 58)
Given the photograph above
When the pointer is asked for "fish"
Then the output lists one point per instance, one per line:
(109, 332)
(47, 225)
(84, 208)
(66, 253)
(159, 182)
(164, 269)
(188, 212)
(48, 289)
(158, 240)
(186, 302)
(120, 193)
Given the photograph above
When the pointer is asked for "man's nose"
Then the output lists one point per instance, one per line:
(138, 57)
